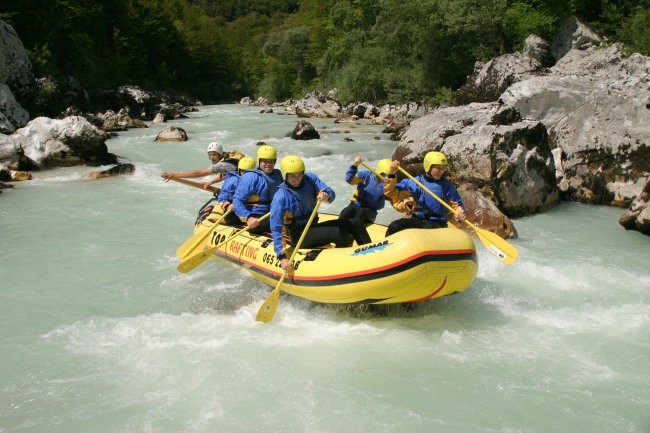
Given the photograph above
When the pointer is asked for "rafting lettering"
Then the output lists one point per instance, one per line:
(243, 250)
(371, 248)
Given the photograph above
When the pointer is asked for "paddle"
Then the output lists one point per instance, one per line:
(267, 310)
(195, 184)
(494, 243)
(196, 239)
(200, 257)
(372, 170)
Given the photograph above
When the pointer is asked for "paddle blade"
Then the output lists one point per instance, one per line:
(498, 246)
(195, 260)
(197, 239)
(191, 243)
(267, 310)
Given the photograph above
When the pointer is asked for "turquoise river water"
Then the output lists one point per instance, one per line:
(100, 333)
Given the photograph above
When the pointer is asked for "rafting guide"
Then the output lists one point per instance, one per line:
(222, 163)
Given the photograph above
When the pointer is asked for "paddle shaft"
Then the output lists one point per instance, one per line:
(381, 178)
(200, 257)
(199, 185)
(267, 310)
(205, 235)
(493, 242)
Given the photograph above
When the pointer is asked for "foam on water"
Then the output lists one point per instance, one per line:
(99, 329)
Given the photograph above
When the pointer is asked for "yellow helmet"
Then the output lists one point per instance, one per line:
(434, 158)
(383, 166)
(266, 152)
(246, 163)
(291, 164)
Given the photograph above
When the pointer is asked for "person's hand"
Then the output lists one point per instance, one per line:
(225, 206)
(167, 175)
(459, 214)
(252, 222)
(357, 161)
(323, 196)
(393, 166)
(285, 265)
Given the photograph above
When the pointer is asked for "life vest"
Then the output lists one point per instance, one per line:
(233, 157)
(271, 188)
(305, 198)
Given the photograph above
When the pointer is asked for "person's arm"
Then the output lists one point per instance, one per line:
(167, 175)
(351, 176)
(405, 205)
(276, 221)
(390, 184)
(456, 201)
(242, 193)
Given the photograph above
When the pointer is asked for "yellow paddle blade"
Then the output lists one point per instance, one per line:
(505, 251)
(267, 310)
(196, 239)
(195, 260)
(200, 257)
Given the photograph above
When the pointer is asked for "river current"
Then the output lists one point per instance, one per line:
(100, 333)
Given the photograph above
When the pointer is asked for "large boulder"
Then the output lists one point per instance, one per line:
(637, 217)
(578, 130)
(46, 143)
(490, 79)
(15, 67)
(304, 131)
(513, 161)
(574, 34)
(316, 104)
(172, 133)
(16, 78)
(594, 105)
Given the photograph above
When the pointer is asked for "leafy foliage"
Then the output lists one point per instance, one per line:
(374, 50)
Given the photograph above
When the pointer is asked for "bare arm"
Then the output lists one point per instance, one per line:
(193, 173)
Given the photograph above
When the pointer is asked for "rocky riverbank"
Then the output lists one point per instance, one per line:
(561, 120)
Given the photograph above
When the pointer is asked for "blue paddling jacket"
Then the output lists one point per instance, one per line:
(229, 186)
(429, 208)
(293, 206)
(254, 193)
(370, 192)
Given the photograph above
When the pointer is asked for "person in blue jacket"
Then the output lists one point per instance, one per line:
(292, 206)
(252, 198)
(225, 197)
(426, 211)
(368, 197)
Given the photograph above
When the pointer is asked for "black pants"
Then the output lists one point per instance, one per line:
(232, 220)
(359, 217)
(338, 232)
(413, 223)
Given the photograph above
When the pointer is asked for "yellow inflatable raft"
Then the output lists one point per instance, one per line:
(409, 266)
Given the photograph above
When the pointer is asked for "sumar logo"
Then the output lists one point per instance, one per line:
(367, 249)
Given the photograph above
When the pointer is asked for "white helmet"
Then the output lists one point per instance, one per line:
(215, 146)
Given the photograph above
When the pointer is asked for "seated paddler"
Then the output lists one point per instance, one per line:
(292, 207)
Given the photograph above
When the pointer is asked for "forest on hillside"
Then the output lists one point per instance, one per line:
(378, 51)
